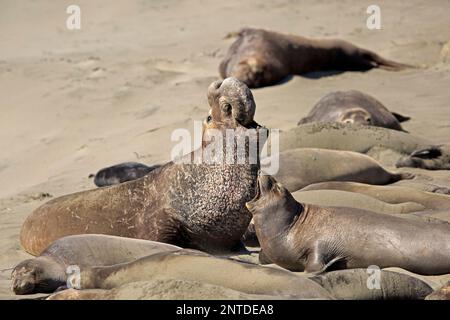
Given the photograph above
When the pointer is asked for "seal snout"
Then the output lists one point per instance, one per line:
(23, 281)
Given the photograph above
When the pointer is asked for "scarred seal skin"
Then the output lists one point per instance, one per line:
(261, 58)
(307, 237)
(353, 107)
(190, 202)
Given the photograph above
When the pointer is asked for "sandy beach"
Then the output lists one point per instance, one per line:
(75, 101)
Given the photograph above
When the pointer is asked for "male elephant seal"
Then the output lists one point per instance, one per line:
(191, 265)
(49, 271)
(301, 167)
(430, 158)
(353, 107)
(260, 57)
(122, 172)
(194, 202)
(315, 239)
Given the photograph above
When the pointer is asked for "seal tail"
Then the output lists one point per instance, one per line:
(379, 62)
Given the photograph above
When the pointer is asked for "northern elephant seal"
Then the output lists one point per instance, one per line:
(372, 284)
(430, 158)
(122, 172)
(260, 57)
(191, 265)
(191, 202)
(353, 107)
(315, 239)
(350, 137)
(48, 272)
(339, 198)
(389, 194)
(301, 167)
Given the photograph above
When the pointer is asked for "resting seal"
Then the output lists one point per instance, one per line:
(353, 107)
(350, 137)
(389, 194)
(188, 203)
(353, 284)
(47, 272)
(301, 167)
(191, 265)
(315, 239)
(122, 172)
(430, 158)
(260, 57)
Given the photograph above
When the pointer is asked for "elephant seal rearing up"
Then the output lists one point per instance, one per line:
(191, 203)
(315, 239)
(260, 57)
(48, 272)
(353, 107)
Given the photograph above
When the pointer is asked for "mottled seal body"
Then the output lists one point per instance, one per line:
(315, 239)
(301, 167)
(190, 265)
(122, 172)
(353, 107)
(430, 158)
(189, 202)
(49, 271)
(260, 57)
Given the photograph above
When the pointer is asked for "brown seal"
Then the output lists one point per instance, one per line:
(307, 237)
(260, 57)
(48, 272)
(190, 202)
(353, 107)
(122, 172)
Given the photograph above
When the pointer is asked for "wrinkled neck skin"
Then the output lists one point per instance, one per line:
(213, 212)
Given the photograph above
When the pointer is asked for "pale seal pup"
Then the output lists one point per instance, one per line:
(48, 271)
(260, 57)
(189, 202)
(353, 107)
(303, 237)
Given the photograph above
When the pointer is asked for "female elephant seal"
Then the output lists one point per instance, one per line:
(192, 265)
(194, 202)
(315, 239)
(353, 107)
(301, 167)
(389, 194)
(122, 172)
(48, 272)
(260, 58)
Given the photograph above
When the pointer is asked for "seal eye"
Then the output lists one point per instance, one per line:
(208, 119)
(226, 108)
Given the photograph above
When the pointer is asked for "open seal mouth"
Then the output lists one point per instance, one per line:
(264, 185)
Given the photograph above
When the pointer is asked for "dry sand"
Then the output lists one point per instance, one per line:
(73, 102)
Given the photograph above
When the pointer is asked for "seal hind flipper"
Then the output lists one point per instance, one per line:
(400, 118)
